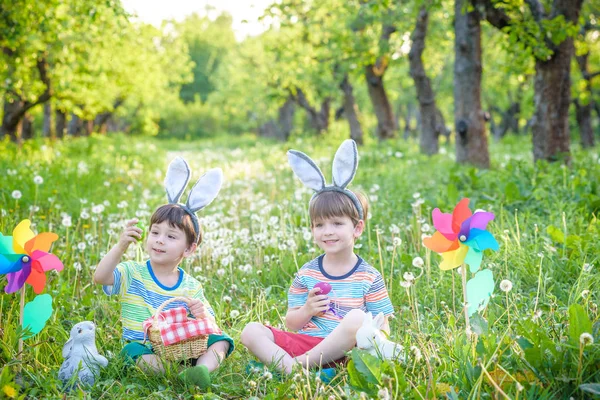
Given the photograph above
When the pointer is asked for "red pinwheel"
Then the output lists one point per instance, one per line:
(461, 236)
(25, 258)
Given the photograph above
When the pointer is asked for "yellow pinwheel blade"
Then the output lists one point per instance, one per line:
(454, 258)
(21, 235)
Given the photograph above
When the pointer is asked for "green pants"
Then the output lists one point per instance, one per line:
(133, 350)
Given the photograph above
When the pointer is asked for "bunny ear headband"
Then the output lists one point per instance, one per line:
(345, 163)
(202, 194)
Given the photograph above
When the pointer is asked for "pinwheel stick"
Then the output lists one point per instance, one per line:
(21, 308)
(464, 287)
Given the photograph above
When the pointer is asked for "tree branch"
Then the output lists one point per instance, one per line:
(537, 9)
(496, 17)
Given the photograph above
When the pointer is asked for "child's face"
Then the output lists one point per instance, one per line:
(167, 244)
(336, 235)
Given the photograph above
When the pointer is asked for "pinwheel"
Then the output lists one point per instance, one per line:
(461, 236)
(25, 258)
(460, 239)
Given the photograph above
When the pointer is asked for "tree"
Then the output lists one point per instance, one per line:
(547, 35)
(471, 139)
(427, 107)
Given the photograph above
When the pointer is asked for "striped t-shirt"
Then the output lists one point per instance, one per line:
(140, 294)
(361, 288)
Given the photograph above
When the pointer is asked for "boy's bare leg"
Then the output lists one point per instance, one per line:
(260, 341)
(337, 343)
(150, 363)
(214, 355)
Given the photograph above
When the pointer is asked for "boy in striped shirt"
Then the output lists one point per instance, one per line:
(324, 326)
(143, 287)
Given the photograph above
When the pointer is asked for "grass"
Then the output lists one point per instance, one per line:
(257, 236)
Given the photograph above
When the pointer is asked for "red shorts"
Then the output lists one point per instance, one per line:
(297, 344)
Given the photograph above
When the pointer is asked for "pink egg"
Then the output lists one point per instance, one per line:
(324, 286)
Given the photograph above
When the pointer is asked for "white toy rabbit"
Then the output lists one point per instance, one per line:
(80, 353)
(370, 338)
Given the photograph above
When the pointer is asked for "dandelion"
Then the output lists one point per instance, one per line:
(537, 315)
(234, 314)
(220, 272)
(389, 248)
(418, 262)
(97, 209)
(405, 284)
(66, 221)
(252, 384)
(506, 285)
(587, 267)
(77, 266)
(84, 215)
(586, 339)
(16, 194)
(106, 183)
(425, 228)
(585, 293)
(233, 287)
(38, 180)
(408, 276)
(416, 195)
(81, 246)
(383, 394)
(227, 299)
(268, 375)
(417, 355)
(397, 242)
(9, 391)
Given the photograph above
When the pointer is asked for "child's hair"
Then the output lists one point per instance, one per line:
(331, 204)
(177, 217)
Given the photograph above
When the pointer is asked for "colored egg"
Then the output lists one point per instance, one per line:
(324, 286)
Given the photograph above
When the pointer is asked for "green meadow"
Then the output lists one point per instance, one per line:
(538, 340)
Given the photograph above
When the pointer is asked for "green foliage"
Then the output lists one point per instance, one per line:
(527, 340)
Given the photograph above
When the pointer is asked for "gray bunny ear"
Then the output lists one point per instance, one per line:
(345, 163)
(67, 348)
(205, 190)
(178, 175)
(306, 170)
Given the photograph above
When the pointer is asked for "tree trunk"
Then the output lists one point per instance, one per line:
(386, 124)
(408, 130)
(550, 124)
(471, 139)
(15, 107)
(11, 118)
(318, 119)
(27, 127)
(282, 128)
(429, 134)
(351, 111)
(583, 111)
(74, 126)
(440, 125)
(61, 123)
(286, 118)
(48, 127)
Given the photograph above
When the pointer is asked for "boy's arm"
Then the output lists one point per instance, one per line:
(297, 317)
(104, 271)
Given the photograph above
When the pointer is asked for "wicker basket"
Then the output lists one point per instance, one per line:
(184, 350)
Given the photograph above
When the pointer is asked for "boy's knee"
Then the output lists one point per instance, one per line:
(250, 332)
(354, 319)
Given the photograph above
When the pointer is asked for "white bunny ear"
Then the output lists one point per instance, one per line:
(368, 319)
(306, 170)
(379, 320)
(345, 163)
(205, 190)
(178, 175)
(67, 348)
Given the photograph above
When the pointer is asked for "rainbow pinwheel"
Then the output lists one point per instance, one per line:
(25, 258)
(461, 236)
(460, 239)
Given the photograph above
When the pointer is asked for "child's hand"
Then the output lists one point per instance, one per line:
(131, 234)
(316, 304)
(197, 309)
